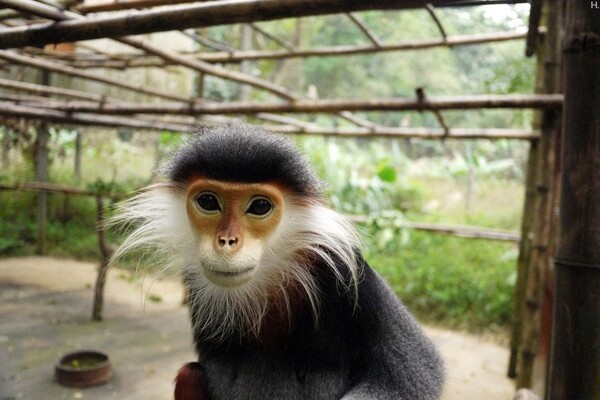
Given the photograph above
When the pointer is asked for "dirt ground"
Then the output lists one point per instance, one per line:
(45, 309)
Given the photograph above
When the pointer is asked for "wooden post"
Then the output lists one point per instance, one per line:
(245, 44)
(41, 174)
(97, 314)
(524, 259)
(534, 337)
(77, 161)
(530, 341)
(575, 366)
(6, 134)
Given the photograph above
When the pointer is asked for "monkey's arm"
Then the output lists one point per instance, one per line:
(190, 383)
(399, 361)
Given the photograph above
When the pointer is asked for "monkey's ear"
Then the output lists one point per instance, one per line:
(190, 383)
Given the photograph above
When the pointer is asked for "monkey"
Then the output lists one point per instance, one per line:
(282, 303)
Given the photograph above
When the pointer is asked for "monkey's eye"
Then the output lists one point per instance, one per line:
(208, 202)
(260, 206)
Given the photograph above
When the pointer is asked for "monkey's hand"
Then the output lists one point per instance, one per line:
(190, 383)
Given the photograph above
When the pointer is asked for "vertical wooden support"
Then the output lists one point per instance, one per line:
(524, 259)
(531, 340)
(245, 44)
(97, 314)
(575, 365)
(77, 161)
(6, 135)
(41, 147)
(41, 175)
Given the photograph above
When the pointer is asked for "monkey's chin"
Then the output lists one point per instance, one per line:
(229, 278)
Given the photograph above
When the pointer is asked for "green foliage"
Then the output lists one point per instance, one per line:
(361, 176)
(450, 281)
(70, 232)
(455, 282)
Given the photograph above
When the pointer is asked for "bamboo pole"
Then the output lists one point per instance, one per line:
(56, 188)
(41, 174)
(97, 308)
(55, 67)
(41, 167)
(463, 231)
(77, 157)
(114, 5)
(431, 10)
(236, 56)
(365, 30)
(534, 346)
(420, 133)
(524, 260)
(39, 102)
(9, 109)
(6, 145)
(550, 101)
(535, 12)
(575, 365)
(49, 90)
(271, 37)
(358, 121)
(180, 17)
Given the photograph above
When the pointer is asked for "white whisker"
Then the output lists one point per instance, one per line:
(310, 231)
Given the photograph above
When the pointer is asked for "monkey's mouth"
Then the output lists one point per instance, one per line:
(229, 278)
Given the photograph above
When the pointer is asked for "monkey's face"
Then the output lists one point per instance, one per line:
(233, 223)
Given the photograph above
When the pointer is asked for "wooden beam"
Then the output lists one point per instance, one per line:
(114, 5)
(180, 17)
(535, 14)
(63, 69)
(41, 89)
(105, 253)
(365, 29)
(8, 109)
(417, 132)
(272, 37)
(56, 188)
(464, 231)
(236, 56)
(553, 101)
(431, 9)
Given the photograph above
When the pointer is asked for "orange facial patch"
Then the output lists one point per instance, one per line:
(230, 213)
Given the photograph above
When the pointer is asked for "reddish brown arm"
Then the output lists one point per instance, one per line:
(190, 383)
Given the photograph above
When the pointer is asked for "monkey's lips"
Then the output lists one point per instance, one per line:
(229, 277)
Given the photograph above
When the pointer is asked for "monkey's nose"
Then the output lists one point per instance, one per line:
(228, 241)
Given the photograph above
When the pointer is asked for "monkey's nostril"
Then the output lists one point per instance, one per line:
(228, 241)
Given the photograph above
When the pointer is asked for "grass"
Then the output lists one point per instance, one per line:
(70, 232)
(453, 282)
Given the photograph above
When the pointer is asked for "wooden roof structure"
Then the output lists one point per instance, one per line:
(28, 26)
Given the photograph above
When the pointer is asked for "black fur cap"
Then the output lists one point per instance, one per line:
(244, 153)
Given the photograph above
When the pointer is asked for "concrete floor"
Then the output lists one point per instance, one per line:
(45, 309)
